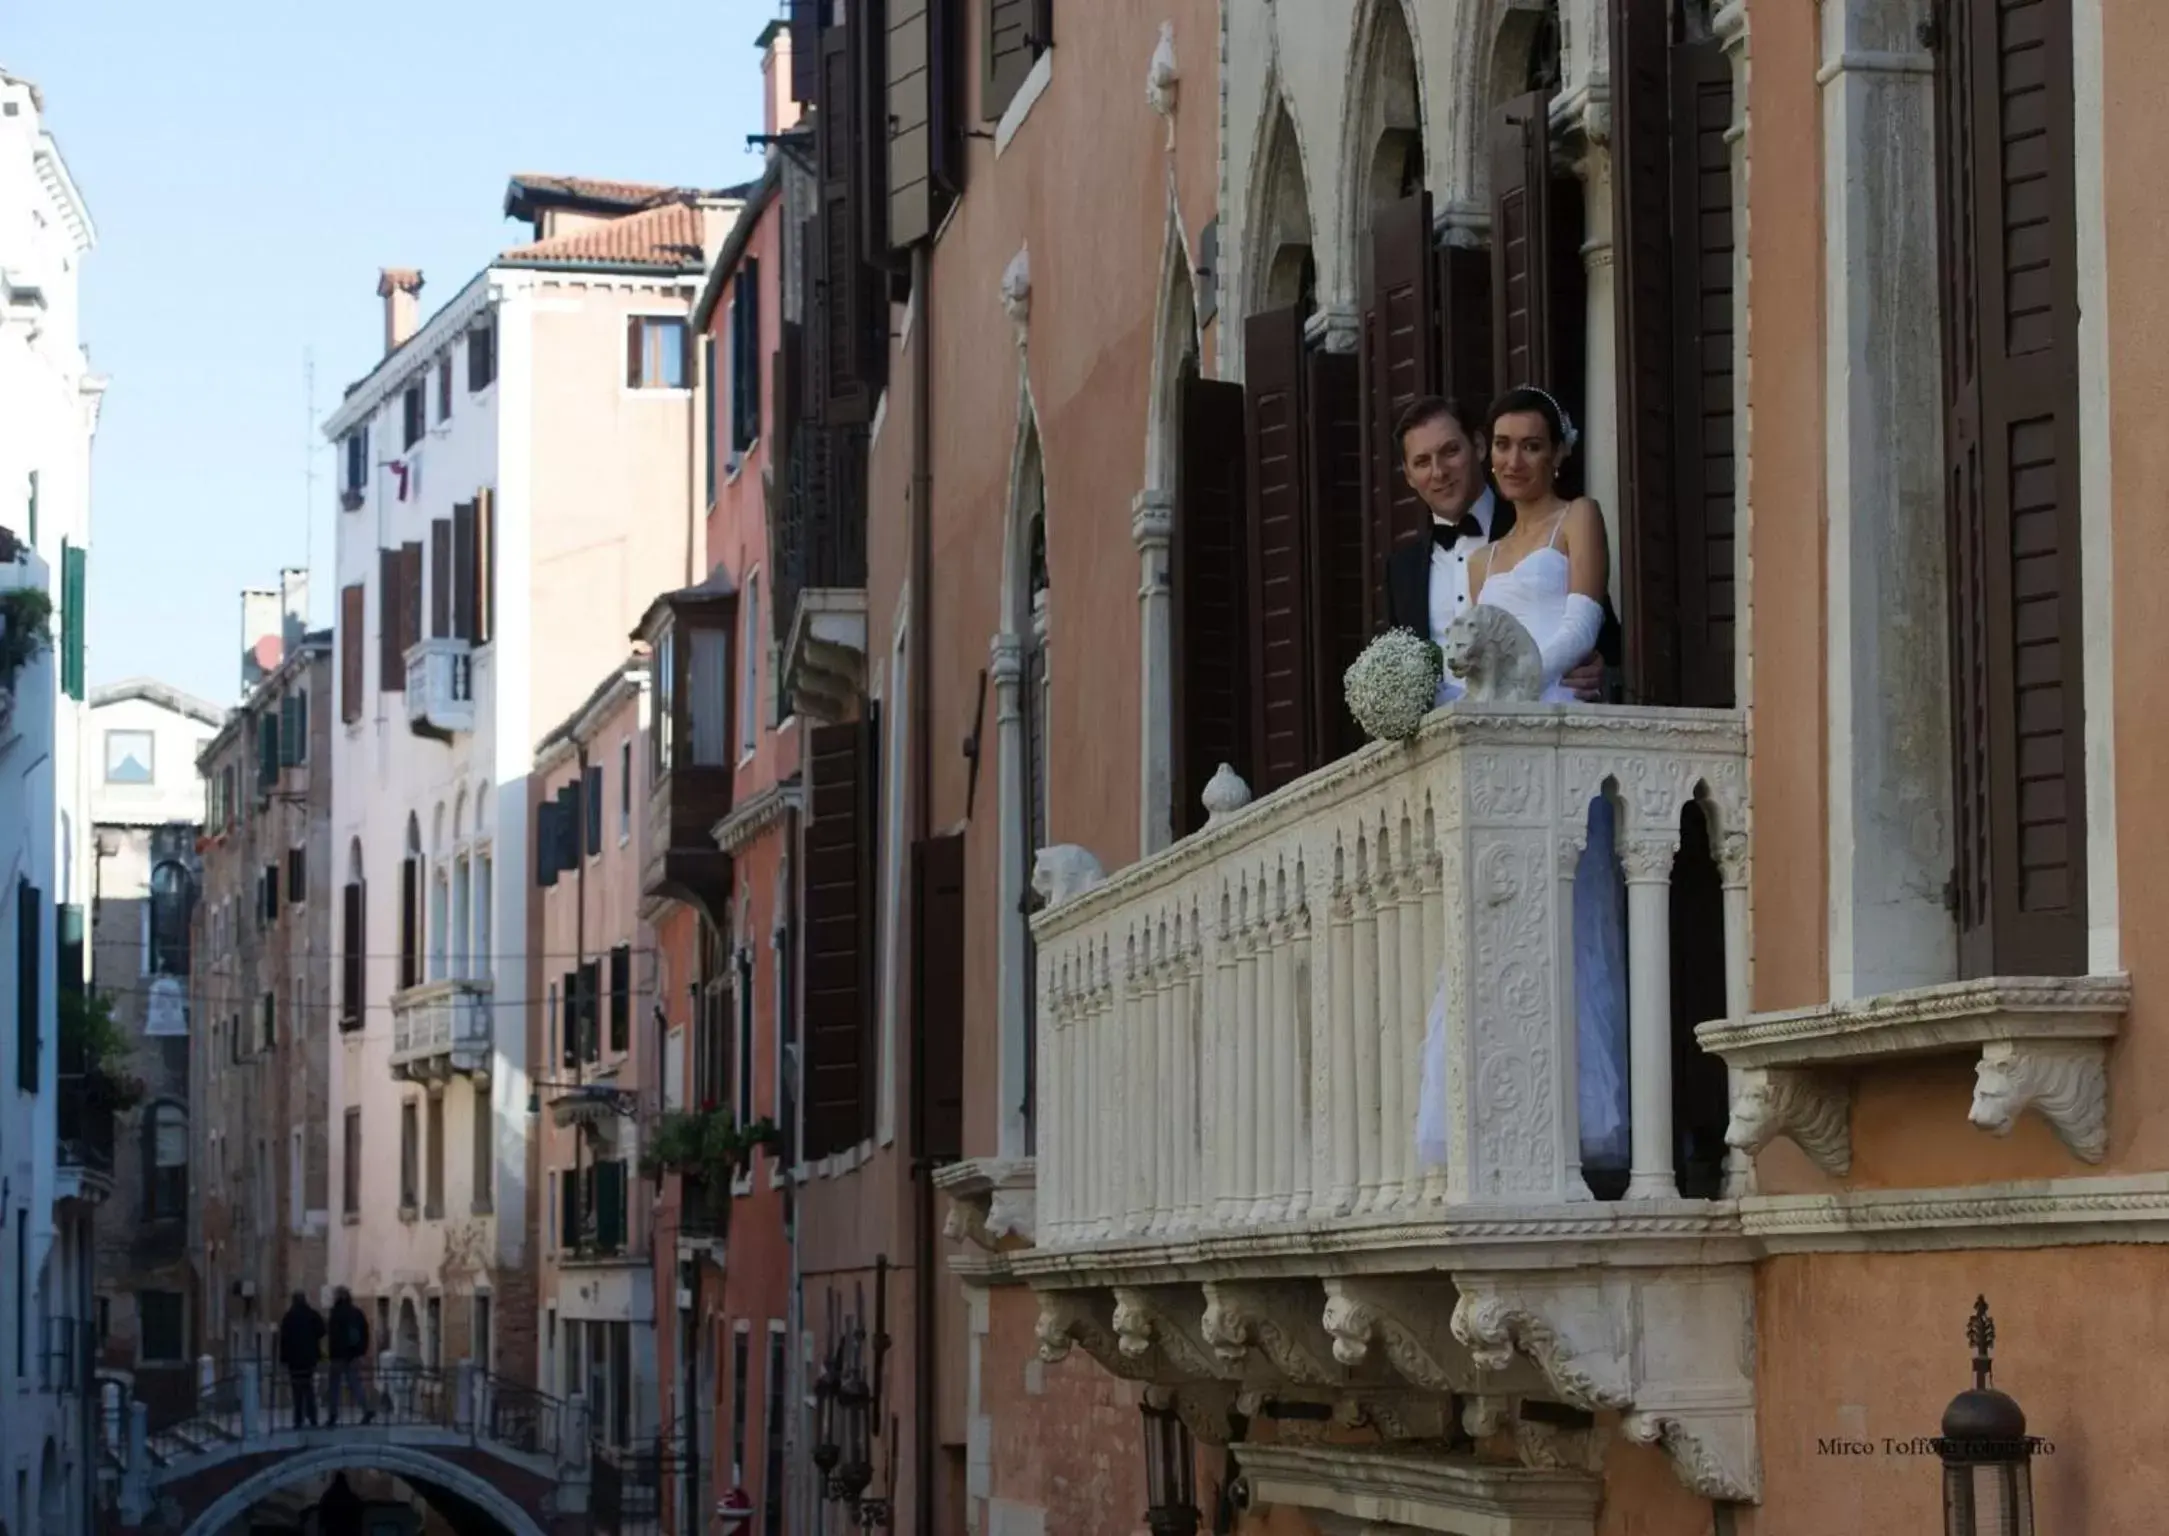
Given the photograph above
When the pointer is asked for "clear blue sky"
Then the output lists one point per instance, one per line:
(250, 165)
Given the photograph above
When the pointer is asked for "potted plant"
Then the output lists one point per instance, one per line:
(26, 629)
(710, 1149)
(90, 1037)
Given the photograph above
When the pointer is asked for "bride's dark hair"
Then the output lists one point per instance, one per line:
(1525, 401)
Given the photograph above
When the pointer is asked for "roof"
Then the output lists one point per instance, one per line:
(529, 191)
(624, 681)
(666, 238)
(719, 587)
(758, 198)
(164, 695)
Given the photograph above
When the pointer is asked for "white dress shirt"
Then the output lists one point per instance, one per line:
(1450, 573)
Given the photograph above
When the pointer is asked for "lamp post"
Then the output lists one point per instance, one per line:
(1170, 1467)
(1987, 1456)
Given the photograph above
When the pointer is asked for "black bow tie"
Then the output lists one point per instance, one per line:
(1446, 535)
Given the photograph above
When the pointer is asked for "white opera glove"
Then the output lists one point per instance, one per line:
(1575, 637)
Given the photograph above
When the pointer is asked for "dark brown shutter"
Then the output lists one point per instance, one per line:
(621, 997)
(1403, 366)
(805, 47)
(1702, 413)
(463, 570)
(485, 567)
(1464, 311)
(353, 621)
(1642, 160)
(938, 964)
(1208, 586)
(1006, 52)
(1338, 578)
(1521, 242)
(870, 143)
(925, 163)
(353, 957)
(2008, 206)
(839, 937)
(410, 601)
(410, 922)
(1277, 548)
(840, 302)
(440, 578)
(391, 624)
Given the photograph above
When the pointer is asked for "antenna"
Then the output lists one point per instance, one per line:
(308, 460)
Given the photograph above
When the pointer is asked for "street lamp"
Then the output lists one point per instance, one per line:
(1987, 1456)
(1170, 1468)
(854, 1412)
(826, 1452)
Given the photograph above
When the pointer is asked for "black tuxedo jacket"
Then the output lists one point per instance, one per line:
(1408, 587)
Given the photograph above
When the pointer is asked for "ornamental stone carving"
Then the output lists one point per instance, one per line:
(1225, 795)
(2065, 1082)
(1277, 1320)
(1812, 1108)
(1069, 1318)
(1714, 1454)
(1064, 872)
(1166, 1318)
(1411, 1319)
(1494, 656)
(1163, 80)
(1017, 293)
(1494, 1329)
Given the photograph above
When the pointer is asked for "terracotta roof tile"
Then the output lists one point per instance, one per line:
(633, 194)
(668, 237)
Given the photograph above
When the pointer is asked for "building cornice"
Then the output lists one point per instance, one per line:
(2037, 1213)
(414, 354)
(757, 815)
(164, 695)
(67, 199)
(581, 726)
(743, 228)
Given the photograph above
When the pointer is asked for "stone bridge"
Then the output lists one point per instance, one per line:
(490, 1455)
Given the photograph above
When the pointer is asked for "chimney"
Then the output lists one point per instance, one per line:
(294, 600)
(262, 646)
(780, 111)
(400, 288)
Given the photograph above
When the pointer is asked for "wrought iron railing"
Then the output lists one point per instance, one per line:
(821, 526)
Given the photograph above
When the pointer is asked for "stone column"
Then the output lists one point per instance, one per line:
(1888, 664)
(1599, 448)
(1732, 864)
(252, 1403)
(1152, 528)
(1648, 865)
(1568, 851)
(1006, 667)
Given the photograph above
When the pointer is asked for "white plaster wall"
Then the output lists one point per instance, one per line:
(176, 791)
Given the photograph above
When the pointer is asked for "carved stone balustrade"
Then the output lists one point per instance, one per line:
(442, 1028)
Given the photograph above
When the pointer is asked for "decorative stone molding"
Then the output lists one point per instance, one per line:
(2038, 1213)
(1714, 1454)
(1064, 872)
(1648, 860)
(1163, 80)
(1422, 1491)
(1169, 1318)
(1152, 521)
(1483, 1415)
(1277, 1319)
(992, 1202)
(1082, 1318)
(1813, 1108)
(2043, 1041)
(1225, 795)
(756, 816)
(1555, 1446)
(1583, 1374)
(1335, 327)
(1413, 1320)
(1017, 293)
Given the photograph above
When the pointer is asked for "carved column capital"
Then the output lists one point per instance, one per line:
(1731, 851)
(1152, 520)
(1648, 860)
(1005, 660)
(1339, 327)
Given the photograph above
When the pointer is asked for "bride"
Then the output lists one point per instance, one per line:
(1550, 573)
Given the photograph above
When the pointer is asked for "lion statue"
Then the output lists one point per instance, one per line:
(1495, 658)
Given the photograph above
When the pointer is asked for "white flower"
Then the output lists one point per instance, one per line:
(1393, 684)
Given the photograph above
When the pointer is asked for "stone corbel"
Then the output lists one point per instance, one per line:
(2065, 1082)
(1495, 1328)
(1812, 1108)
(1413, 1320)
(1080, 1318)
(1335, 327)
(1163, 80)
(1166, 1318)
(992, 1202)
(1714, 1453)
(1277, 1319)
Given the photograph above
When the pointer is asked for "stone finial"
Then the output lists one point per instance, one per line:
(1225, 795)
(1017, 292)
(1163, 79)
(1064, 872)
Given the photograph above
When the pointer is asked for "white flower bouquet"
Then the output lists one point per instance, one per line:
(1394, 684)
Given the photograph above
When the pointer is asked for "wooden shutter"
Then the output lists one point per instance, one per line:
(568, 826)
(1281, 748)
(592, 804)
(29, 973)
(839, 306)
(463, 570)
(1642, 225)
(1520, 242)
(938, 966)
(353, 620)
(1006, 52)
(410, 602)
(1703, 493)
(805, 47)
(591, 1010)
(2008, 207)
(391, 654)
(546, 870)
(1337, 575)
(410, 923)
(610, 1206)
(568, 1201)
(440, 578)
(839, 937)
(870, 145)
(485, 567)
(290, 741)
(621, 998)
(910, 92)
(1209, 589)
(1463, 287)
(353, 956)
(1402, 366)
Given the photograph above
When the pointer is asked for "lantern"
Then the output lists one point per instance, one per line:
(854, 1414)
(1987, 1457)
(826, 1452)
(1170, 1468)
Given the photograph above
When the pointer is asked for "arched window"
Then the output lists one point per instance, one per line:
(165, 1162)
(171, 895)
(353, 929)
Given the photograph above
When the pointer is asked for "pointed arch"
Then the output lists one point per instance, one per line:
(1177, 348)
(1388, 142)
(1177, 358)
(1506, 40)
(1280, 267)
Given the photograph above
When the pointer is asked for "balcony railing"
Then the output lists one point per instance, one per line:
(442, 1028)
(440, 687)
(84, 1124)
(1232, 1034)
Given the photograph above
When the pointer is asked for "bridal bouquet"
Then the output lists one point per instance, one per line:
(1394, 684)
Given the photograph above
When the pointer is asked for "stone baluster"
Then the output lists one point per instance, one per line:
(1245, 1064)
(1732, 866)
(1416, 985)
(1264, 1043)
(1056, 1085)
(1341, 1076)
(1106, 1049)
(1170, 1112)
(1276, 1140)
(1137, 1097)
(1189, 1107)
(1648, 864)
(1567, 1006)
(1434, 975)
(1303, 1028)
(1363, 1026)
(206, 1381)
(1222, 1019)
(1396, 1137)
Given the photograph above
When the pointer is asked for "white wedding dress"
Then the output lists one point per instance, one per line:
(1536, 592)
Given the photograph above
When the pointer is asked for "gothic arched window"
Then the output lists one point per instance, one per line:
(170, 901)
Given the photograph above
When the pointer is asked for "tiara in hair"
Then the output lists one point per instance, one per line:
(1566, 422)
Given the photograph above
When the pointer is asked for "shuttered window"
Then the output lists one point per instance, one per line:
(621, 998)
(746, 356)
(609, 1184)
(352, 610)
(926, 161)
(1014, 34)
(267, 751)
(851, 300)
(591, 1011)
(353, 954)
(29, 979)
(1282, 747)
(937, 907)
(1336, 578)
(1401, 358)
(440, 578)
(2007, 179)
(1208, 589)
(485, 567)
(839, 937)
(293, 729)
(592, 808)
(1520, 240)
(806, 18)
(410, 922)
(391, 623)
(73, 586)
(464, 604)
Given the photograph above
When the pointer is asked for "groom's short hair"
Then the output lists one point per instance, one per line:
(1424, 410)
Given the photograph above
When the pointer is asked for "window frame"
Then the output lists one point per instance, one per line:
(414, 412)
(642, 353)
(444, 386)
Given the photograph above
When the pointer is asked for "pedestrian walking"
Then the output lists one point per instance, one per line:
(349, 1341)
(301, 1343)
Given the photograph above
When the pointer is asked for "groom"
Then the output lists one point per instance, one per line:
(1427, 583)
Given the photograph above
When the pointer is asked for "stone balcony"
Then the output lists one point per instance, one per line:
(440, 688)
(1229, 1201)
(440, 1029)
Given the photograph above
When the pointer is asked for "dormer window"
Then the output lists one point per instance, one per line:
(414, 408)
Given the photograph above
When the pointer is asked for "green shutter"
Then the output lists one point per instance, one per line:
(569, 1202)
(290, 730)
(610, 1207)
(71, 621)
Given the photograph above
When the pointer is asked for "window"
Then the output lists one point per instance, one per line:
(746, 357)
(297, 876)
(663, 725)
(294, 729)
(410, 909)
(745, 1037)
(296, 1188)
(479, 1346)
(655, 351)
(410, 1155)
(357, 463)
(271, 893)
(433, 1333)
(351, 640)
(1014, 34)
(749, 691)
(556, 1239)
(482, 356)
(592, 796)
(621, 997)
(772, 1431)
(353, 959)
(715, 406)
(29, 973)
(268, 1013)
(444, 386)
(550, 1013)
(129, 757)
(72, 586)
(162, 1337)
(625, 792)
(433, 1159)
(485, 1154)
(169, 920)
(414, 415)
(741, 1350)
(166, 1179)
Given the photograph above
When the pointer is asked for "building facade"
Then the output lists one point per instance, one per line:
(515, 490)
(148, 809)
(262, 1003)
(58, 1162)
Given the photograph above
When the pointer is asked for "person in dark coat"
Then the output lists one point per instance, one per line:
(349, 1347)
(301, 1344)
